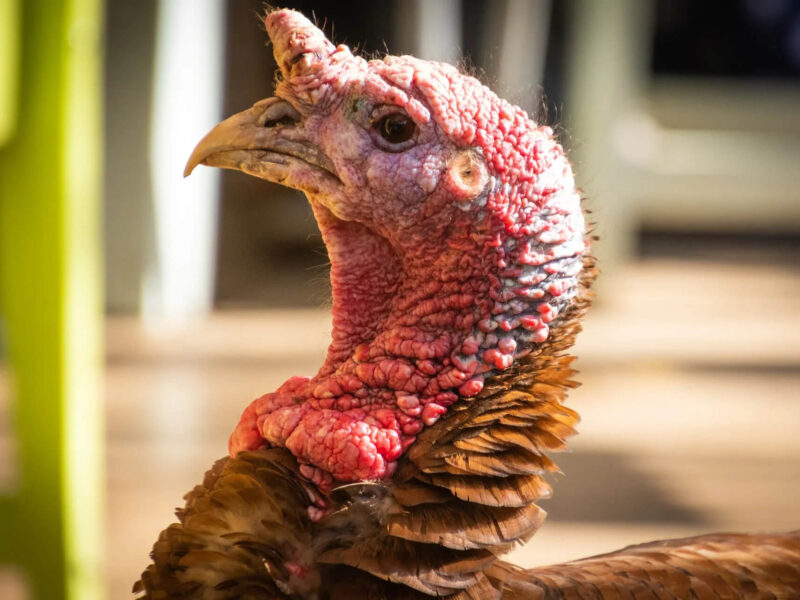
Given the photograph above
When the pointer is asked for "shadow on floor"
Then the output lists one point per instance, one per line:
(607, 487)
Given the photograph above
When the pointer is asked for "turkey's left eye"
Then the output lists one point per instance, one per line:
(395, 128)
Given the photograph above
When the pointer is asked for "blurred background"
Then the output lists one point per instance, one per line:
(683, 122)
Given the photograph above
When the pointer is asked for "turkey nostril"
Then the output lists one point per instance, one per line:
(279, 113)
(287, 121)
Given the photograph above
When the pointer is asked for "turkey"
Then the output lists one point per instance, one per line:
(460, 270)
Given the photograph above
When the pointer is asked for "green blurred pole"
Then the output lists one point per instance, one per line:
(9, 66)
(50, 294)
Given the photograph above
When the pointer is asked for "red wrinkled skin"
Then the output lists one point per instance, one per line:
(449, 259)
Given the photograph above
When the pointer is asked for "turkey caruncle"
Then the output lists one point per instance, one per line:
(460, 269)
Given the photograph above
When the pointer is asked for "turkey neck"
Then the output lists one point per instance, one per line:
(405, 312)
(411, 299)
(365, 275)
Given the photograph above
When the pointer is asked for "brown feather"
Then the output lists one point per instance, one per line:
(462, 525)
(236, 535)
(426, 568)
(416, 492)
(732, 566)
(515, 490)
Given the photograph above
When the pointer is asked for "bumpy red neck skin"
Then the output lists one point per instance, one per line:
(425, 308)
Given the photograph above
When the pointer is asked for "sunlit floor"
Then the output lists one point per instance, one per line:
(690, 409)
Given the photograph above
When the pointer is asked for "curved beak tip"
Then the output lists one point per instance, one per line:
(201, 151)
(197, 158)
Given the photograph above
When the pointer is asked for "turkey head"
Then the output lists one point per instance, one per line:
(455, 235)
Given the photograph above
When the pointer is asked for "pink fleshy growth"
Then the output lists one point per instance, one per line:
(449, 259)
(473, 387)
(316, 514)
(295, 569)
(432, 412)
(322, 479)
(507, 345)
(409, 405)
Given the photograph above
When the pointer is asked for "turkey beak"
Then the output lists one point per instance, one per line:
(265, 140)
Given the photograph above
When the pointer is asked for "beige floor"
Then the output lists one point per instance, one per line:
(690, 404)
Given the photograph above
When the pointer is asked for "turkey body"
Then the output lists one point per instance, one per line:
(245, 533)
(460, 271)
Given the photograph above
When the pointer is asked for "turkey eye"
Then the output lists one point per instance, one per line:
(395, 128)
